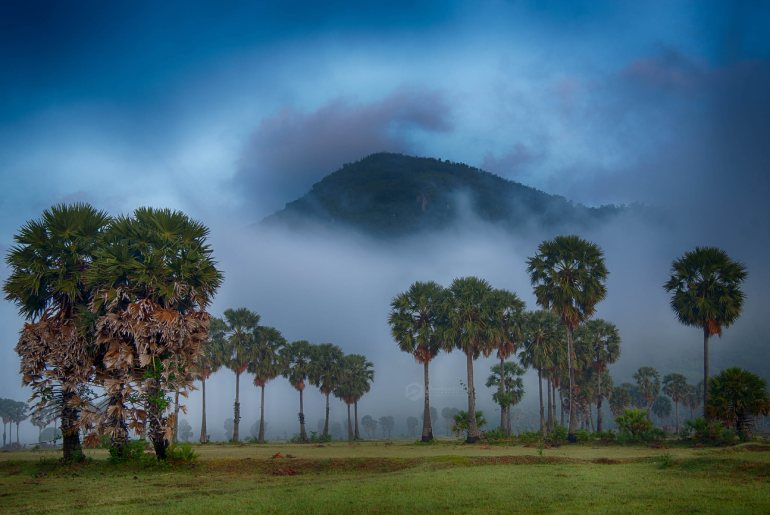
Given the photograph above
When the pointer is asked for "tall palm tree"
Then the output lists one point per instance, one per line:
(154, 276)
(324, 373)
(541, 339)
(508, 328)
(705, 287)
(47, 283)
(648, 380)
(416, 322)
(208, 363)
(506, 376)
(675, 386)
(600, 341)
(239, 346)
(356, 377)
(266, 364)
(297, 357)
(568, 275)
(361, 377)
(470, 328)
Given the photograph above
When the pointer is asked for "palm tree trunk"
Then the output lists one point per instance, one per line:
(501, 395)
(237, 407)
(599, 403)
(572, 411)
(326, 418)
(357, 436)
(71, 447)
(706, 373)
(261, 436)
(676, 415)
(540, 393)
(350, 425)
(427, 423)
(473, 429)
(549, 421)
(18, 423)
(302, 433)
(204, 435)
(176, 416)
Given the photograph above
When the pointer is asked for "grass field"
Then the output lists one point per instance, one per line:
(378, 477)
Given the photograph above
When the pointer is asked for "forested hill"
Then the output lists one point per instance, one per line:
(394, 195)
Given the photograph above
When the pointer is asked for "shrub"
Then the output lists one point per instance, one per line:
(605, 436)
(700, 431)
(181, 453)
(133, 451)
(558, 436)
(582, 435)
(634, 425)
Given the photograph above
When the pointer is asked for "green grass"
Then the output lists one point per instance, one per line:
(384, 478)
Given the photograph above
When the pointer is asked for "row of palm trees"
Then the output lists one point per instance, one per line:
(568, 276)
(12, 412)
(238, 342)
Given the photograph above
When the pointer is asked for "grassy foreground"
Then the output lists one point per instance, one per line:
(385, 478)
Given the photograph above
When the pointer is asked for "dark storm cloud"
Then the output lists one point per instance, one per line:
(292, 149)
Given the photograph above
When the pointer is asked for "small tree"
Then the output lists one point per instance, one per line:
(461, 421)
(386, 425)
(736, 397)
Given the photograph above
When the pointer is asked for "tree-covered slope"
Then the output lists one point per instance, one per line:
(393, 194)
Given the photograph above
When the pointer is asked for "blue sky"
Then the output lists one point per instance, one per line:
(228, 110)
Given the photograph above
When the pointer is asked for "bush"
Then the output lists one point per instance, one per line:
(495, 435)
(605, 436)
(699, 431)
(181, 453)
(558, 436)
(634, 425)
(582, 435)
(530, 437)
(133, 451)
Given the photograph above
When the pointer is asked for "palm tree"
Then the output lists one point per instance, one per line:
(541, 338)
(361, 377)
(297, 357)
(266, 364)
(208, 363)
(508, 327)
(47, 284)
(154, 275)
(324, 373)
(693, 398)
(506, 376)
(470, 328)
(619, 400)
(600, 342)
(386, 424)
(240, 342)
(416, 323)
(705, 287)
(675, 386)
(737, 396)
(568, 275)
(648, 380)
(449, 415)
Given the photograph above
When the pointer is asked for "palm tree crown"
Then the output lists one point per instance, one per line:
(706, 289)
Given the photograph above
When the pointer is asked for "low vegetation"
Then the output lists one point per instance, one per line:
(385, 478)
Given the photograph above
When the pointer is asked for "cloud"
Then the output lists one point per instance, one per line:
(292, 149)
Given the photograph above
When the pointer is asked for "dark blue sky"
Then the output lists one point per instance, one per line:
(227, 110)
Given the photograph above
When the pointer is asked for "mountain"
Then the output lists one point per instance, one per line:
(393, 195)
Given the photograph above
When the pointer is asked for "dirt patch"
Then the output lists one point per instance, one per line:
(756, 447)
(606, 461)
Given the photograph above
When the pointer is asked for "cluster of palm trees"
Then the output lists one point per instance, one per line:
(12, 412)
(570, 350)
(646, 394)
(115, 303)
(238, 342)
(567, 274)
